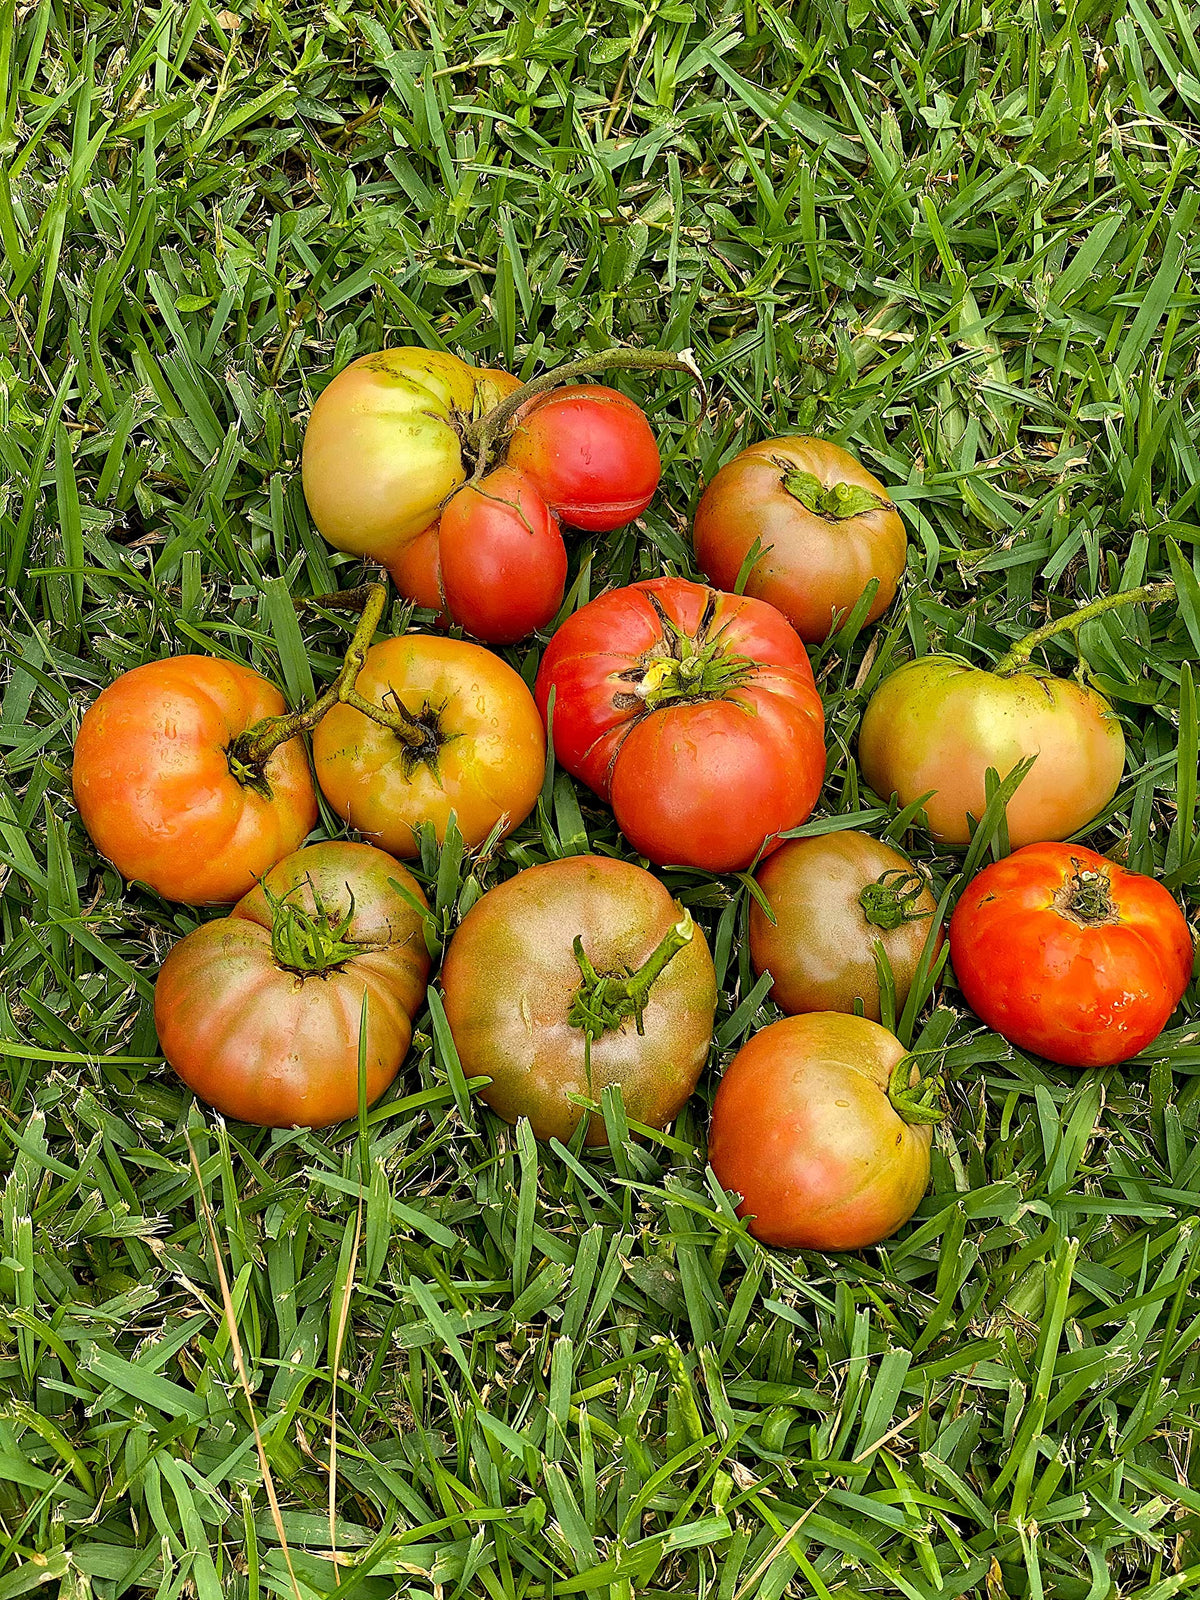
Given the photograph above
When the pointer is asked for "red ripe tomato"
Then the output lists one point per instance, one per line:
(573, 976)
(590, 452)
(824, 524)
(259, 1012)
(162, 793)
(1070, 956)
(503, 561)
(694, 713)
(809, 1127)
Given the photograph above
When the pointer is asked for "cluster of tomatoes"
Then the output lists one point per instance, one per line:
(689, 708)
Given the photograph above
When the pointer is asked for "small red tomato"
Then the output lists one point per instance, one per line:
(163, 793)
(1070, 956)
(809, 1128)
(503, 561)
(591, 453)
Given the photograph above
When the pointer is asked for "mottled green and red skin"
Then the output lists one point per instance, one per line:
(510, 976)
(1081, 993)
(811, 567)
(802, 1128)
(939, 724)
(820, 948)
(156, 791)
(267, 1045)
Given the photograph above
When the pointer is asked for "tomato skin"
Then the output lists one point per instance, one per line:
(503, 560)
(417, 572)
(590, 452)
(802, 1128)
(381, 452)
(491, 767)
(154, 787)
(271, 1046)
(820, 950)
(1078, 992)
(704, 783)
(938, 723)
(510, 975)
(810, 566)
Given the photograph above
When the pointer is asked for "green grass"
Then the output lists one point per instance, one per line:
(961, 239)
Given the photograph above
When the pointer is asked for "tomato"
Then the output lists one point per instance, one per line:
(259, 1012)
(825, 526)
(160, 789)
(383, 450)
(938, 724)
(694, 713)
(573, 976)
(417, 572)
(468, 740)
(805, 1129)
(1070, 956)
(834, 898)
(503, 561)
(591, 453)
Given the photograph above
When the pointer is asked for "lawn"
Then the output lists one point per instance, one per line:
(960, 238)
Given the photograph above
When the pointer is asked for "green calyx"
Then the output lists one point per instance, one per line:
(309, 943)
(604, 1001)
(694, 670)
(915, 1103)
(1087, 898)
(892, 899)
(835, 502)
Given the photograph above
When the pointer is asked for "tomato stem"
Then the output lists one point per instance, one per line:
(305, 943)
(696, 668)
(836, 501)
(1086, 898)
(915, 1102)
(887, 903)
(604, 1001)
(249, 753)
(482, 433)
(1150, 594)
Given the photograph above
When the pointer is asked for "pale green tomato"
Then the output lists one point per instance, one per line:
(939, 724)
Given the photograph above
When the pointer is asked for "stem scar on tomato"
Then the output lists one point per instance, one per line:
(1086, 898)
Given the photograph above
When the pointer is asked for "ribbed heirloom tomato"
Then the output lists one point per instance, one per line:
(465, 736)
(823, 1132)
(259, 1012)
(694, 713)
(834, 898)
(571, 977)
(1070, 956)
(164, 793)
(824, 524)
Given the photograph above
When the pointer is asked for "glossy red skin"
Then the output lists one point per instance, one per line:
(591, 453)
(274, 1047)
(154, 788)
(503, 560)
(707, 783)
(802, 1128)
(810, 567)
(1081, 994)
(510, 976)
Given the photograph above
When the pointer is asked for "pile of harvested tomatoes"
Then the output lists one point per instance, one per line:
(579, 993)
